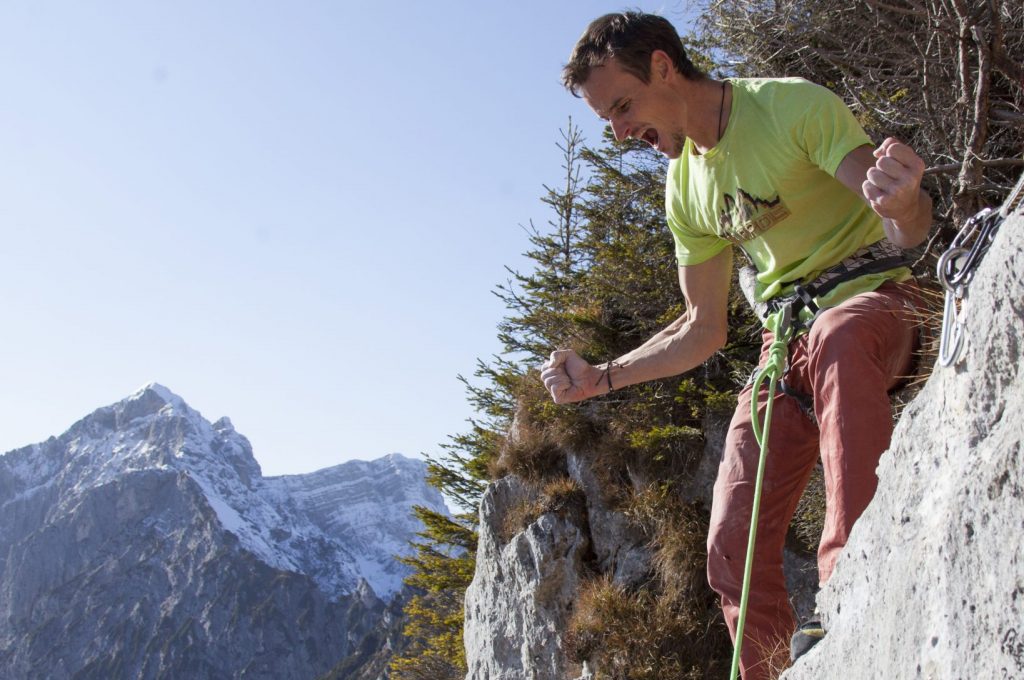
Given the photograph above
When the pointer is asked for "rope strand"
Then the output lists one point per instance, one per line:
(781, 326)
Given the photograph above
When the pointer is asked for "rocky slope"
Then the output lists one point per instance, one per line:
(931, 585)
(145, 543)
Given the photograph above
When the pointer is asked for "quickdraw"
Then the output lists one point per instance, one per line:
(956, 268)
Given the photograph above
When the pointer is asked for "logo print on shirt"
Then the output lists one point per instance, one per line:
(747, 217)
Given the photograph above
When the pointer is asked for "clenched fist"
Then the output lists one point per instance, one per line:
(569, 378)
(893, 185)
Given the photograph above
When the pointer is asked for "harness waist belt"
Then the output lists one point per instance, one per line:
(881, 256)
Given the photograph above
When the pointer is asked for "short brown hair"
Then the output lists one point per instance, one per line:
(630, 37)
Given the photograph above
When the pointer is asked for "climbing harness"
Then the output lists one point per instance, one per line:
(879, 257)
(956, 268)
(782, 327)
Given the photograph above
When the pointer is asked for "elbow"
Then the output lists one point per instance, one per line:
(714, 336)
(718, 341)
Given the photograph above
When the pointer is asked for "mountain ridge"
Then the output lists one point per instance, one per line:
(145, 542)
(283, 519)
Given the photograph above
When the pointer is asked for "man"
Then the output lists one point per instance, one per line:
(781, 169)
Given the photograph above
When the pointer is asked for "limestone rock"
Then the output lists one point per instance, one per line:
(522, 592)
(931, 584)
(619, 547)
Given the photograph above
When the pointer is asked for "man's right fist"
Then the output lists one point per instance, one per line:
(569, 378)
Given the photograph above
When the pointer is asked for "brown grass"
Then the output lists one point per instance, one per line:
(805, 528)
(671, 627)
(776, 656)
(642, 635)
(562, 496)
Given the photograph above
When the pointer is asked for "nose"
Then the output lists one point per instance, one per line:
(619, 128)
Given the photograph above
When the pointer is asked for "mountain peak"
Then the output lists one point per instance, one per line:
(160, 390)
(153, 397)
(149, 400)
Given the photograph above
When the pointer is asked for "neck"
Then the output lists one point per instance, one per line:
(708, 113)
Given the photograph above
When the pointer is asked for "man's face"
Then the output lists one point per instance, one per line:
(635, 109)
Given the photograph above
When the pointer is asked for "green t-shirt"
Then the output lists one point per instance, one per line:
(769, 187)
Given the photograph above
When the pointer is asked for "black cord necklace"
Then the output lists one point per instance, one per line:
(721, 110)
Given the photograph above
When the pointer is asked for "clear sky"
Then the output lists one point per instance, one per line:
(289, 213)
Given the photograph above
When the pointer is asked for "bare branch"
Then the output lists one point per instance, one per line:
(994, 163)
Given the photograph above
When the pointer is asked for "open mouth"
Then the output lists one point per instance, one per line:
(651, 137)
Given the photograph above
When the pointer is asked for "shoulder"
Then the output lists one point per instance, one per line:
(783, 91)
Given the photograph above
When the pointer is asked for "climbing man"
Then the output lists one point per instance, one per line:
(781, 169)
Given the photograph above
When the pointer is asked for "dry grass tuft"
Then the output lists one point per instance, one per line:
(534, 460)
(927, 316)
(776, 656)
(678, 538)
(562, 496)
(642, 635)
(805, 528)
(671, 627)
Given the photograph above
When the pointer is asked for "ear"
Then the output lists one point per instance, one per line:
(661, 65)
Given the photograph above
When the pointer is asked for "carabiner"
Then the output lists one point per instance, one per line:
(949, 269)
(951, 339)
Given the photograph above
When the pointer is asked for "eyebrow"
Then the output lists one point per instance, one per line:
(615, 104)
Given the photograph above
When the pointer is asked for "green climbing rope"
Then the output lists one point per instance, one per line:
(781, 326)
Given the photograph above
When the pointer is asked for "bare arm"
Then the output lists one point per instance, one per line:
(889, 179)
(684, 344)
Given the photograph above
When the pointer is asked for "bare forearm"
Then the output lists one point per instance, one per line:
(685, 343)
(680, 347)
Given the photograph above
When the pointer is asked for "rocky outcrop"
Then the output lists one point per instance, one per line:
(520, 602)
(931, 584)
(522, 593)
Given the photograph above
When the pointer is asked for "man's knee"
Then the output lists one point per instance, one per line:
(726, 548)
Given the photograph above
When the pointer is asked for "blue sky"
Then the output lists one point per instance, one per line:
(292, 214)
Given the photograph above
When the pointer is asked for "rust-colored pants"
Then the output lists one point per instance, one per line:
(852, 356)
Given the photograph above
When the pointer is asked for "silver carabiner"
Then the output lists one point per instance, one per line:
(951, 339)
(948, 268)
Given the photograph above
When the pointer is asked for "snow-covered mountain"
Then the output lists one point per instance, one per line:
(145, 524)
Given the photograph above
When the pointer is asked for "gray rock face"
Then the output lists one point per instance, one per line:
(619, 547)
(145, 543)
(931, 584)
(519, 602)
